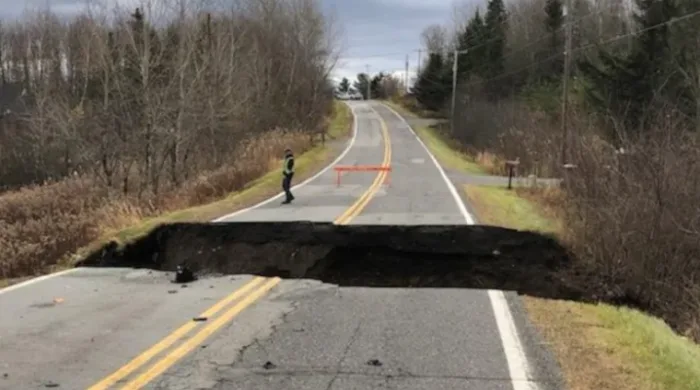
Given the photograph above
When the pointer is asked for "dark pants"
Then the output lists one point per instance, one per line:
(286, 184)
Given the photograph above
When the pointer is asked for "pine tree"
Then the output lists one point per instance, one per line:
(495, 37)
(626, 85)
(554, 21)
(361, 84)
(495, 42)
(344, 85)
(433, 86)
(472, 41)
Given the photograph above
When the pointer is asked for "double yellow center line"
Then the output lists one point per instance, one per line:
(243, 297)
(258, 285)
(363, 200)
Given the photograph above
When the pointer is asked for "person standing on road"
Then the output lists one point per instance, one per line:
(287, 174)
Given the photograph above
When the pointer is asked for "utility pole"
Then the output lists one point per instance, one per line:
(454, 89)
(369, 84)
(420, 52)
(565, 86)
(406, 75)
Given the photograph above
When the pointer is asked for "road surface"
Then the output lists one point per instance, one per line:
(120, 328)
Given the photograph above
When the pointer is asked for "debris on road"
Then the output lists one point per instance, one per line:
(374, 362)
(172, 291)
(51, 384)
(184, 275)
(200, 319)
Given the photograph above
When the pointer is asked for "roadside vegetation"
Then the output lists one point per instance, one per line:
(630, 203)
(628, 208)
(119, 120)
(598, 346)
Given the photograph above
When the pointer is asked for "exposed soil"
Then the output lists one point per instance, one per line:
(372, 255)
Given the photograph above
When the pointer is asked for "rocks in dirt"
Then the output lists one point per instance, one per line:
(374, 362)
(269, 365)
(184, 275)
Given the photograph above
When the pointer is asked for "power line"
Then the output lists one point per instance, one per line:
(588, 46)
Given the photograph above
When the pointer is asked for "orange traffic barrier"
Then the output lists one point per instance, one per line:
(360, 168)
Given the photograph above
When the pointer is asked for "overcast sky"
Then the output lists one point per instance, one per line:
(378, 33)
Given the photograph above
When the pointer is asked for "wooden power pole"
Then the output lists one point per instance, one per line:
(565, 86)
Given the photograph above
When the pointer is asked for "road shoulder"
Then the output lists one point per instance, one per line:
(597, 346)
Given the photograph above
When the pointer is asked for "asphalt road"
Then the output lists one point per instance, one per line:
(116, 328)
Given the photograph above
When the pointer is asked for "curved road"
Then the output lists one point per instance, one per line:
(119, 328)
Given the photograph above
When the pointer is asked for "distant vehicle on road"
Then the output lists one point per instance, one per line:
(356, 95)
(349, 95)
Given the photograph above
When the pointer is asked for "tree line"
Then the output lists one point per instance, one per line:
(147, 98)
(626, 65)
(381, 85)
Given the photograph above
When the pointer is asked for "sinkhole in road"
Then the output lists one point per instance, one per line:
(439, 256)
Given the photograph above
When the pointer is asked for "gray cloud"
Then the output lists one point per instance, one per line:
(379, 33)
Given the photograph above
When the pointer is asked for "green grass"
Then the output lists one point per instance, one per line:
(448, 157)
(502, 207)
(670, 361)
(598, 346)
(444, 149)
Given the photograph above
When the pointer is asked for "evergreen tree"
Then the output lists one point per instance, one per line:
(472, 41)
(554, 21)
(433, 86)
(361, 84)
(344, 85)
(626, 85)
(495, 42)
(376, 85)
(495, 37)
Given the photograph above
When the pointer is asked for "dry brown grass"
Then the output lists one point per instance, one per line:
(42, 224)
(579, 339)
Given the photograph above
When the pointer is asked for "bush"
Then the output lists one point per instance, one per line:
(635, 223)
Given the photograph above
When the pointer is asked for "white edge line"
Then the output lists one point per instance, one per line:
(36, 280)
(462, 208)
(305, 182)
(518, 366)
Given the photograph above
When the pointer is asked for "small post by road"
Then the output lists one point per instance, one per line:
(510, 166)
(454, 90)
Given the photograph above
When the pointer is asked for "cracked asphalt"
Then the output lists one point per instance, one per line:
(304, 334)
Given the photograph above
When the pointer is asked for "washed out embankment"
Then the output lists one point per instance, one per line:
(356, 255)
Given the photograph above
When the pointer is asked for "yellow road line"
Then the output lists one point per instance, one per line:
(362, 202)
(186, 347)
(173, 337)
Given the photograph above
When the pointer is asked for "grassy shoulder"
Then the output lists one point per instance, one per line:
(440, 145)
(597, 346)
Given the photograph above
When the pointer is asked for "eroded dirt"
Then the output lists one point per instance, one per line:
(372, 255)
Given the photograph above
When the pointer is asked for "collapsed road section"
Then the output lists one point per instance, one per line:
(464, 256)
